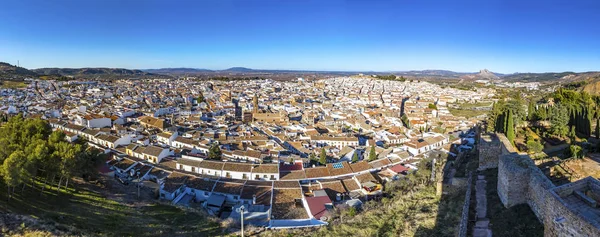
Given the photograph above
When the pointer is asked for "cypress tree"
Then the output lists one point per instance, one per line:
(323, 157)
(510, 128)
(531, 111)
(505, 119)
(372, 154)
(598, 128)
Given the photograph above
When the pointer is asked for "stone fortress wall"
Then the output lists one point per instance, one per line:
(521, 181)
(489, 148)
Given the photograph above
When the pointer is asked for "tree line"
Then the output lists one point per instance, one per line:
(30, 151)
(390, 77)
(567, 113)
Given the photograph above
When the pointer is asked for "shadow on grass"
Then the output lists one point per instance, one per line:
(516, 221)
(90, 212)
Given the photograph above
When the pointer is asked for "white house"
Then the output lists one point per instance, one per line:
(112, 141)
(235, 170)
(173, 185)
(166, 138)
(265, 172)
(231, 190)
(211, 168)
(420, 145)
(200, 188)
(93, 121)
(338, 142)
(152, 154)
(195, 146)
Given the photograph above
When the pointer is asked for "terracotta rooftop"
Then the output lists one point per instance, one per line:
(332, 188)
(189, 162)
(292, 175)
(228, 188)
(249, 191)
(174, 181)
(237, 167)
(380, 163)
(350, 184)
(366, 177)
(360, 166)
(284, 205)
(286, 184)
(199, 183)
(340, 168)
(317, 172)
(266, 168)
(214, 165)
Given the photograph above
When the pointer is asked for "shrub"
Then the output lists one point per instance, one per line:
(534, 146)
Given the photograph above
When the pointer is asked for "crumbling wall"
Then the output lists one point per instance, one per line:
(560, 220)
(521, 181)
(489, 148)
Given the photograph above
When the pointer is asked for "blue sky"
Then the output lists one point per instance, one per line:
(502, 36)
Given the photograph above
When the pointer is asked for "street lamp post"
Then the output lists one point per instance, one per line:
(138, 184)
(241, 211)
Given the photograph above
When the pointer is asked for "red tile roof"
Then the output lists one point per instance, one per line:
(288, 167)
(398, 168)
(316, 205)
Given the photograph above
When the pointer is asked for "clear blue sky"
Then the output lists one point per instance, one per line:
(502, 36)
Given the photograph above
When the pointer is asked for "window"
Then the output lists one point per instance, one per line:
(235, 197)
(257, 177)
(272, 177)
(227, 175)
(244, 176)
(194, 169)
(180, 167)
(205, 193)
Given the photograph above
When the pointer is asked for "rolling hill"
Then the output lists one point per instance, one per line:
(93, 72)
(11, 72)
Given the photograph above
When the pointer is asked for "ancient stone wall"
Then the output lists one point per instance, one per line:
(538, 193)
(489, 147)
(462, 232)
(513, 180)
(521, 181)
(561, 220)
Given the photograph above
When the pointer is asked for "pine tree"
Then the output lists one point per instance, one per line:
(510, 128)
(214, 152)
(323, 157)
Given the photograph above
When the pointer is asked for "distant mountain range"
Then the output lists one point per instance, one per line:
(95, 72)
(11, 72)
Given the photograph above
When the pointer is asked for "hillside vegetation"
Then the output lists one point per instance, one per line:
(45, 192)
(10, 72)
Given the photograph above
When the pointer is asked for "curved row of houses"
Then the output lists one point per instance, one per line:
(274, 195)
